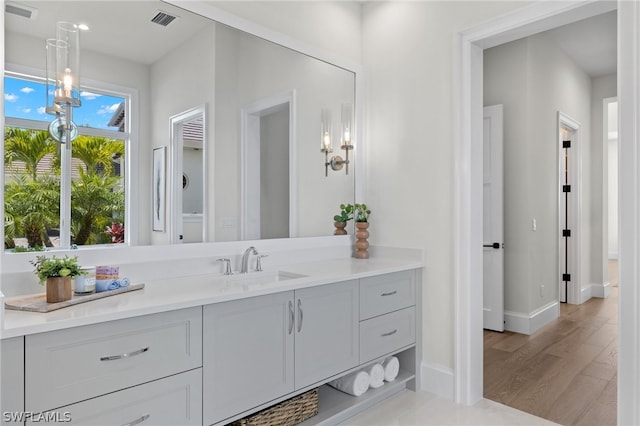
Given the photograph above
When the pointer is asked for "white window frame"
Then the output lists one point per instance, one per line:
(129, 136)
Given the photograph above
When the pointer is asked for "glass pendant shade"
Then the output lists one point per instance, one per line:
(325, 131)
(347, 125)
(63, 68)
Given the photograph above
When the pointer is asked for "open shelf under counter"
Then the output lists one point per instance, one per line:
(335, 406)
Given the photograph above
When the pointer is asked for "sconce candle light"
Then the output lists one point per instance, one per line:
(336, 162)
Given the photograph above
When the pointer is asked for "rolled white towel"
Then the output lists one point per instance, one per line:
(354, 384)
(376, 375)
(391, 368)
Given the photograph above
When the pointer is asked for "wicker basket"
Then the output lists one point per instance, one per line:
(286, 413)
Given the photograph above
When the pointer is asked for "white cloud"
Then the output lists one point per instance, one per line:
(42, 110)
(26, 110)
(10, 97)
(108, 109)
(89, 96)
(27, 90)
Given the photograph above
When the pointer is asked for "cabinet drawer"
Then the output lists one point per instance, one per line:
(175, 400)
(386, 293)
(12, 377)
(387, 333)
(66, 366)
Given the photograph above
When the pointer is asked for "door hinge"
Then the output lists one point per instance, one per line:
(566, 277)
(566, 232)
(566, 188)
(566, 144)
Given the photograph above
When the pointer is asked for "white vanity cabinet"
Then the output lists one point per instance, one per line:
(388, 314)
(247, 354)
(174, 400)
(12, 378)
(259, 349)
(67, 366)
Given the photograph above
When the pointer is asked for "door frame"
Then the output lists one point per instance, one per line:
(250, 168)
(467, 84)
(574, 291)
(175, 226)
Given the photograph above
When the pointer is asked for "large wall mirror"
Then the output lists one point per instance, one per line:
(249, 163)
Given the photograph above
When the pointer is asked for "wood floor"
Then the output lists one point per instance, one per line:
(566, 372)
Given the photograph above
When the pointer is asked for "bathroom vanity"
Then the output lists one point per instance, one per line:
(210, 349)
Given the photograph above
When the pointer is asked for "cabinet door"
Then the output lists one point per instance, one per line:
(326, 331)
(175, 400)
(248, 354)
(12, 378)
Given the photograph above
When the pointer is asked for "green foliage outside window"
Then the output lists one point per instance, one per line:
(32, 188)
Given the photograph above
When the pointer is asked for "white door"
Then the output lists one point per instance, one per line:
(493, 230)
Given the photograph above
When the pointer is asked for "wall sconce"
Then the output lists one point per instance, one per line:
(63, 80)
(336, 162)
(347, 132)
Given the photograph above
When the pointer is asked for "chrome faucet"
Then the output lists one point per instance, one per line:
(245, 259)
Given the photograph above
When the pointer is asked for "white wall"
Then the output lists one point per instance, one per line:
(546, 82)
(611, 220)
(408, 65)
(179, 81)
(601, 88)
(333, 26)
(248, 71)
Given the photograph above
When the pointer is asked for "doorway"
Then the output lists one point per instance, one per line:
(468, 310)
(268, 169)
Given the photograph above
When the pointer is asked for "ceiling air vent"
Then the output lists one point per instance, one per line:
(21, 10)
(162, 18)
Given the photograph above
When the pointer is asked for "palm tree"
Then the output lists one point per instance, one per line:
(28, 146)
(95, 200)
(97, 152)
(32, 206)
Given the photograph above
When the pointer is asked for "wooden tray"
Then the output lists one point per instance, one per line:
(38, 302)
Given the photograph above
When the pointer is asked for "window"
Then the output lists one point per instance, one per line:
(34, 175)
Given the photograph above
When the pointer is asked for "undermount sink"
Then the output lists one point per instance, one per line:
(262, 277)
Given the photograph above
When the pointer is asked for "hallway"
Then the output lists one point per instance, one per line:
(565, 372)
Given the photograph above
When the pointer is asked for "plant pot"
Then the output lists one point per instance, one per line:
(340, 228)
(362, 245)
(58, 289)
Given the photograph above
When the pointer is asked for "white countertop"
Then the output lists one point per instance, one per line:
(188, 291)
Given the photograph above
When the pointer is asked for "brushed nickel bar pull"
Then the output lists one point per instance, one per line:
(125, 355)
(300, 315)
(292, 316)
(391, 293)
(389, 333)
(138, 421)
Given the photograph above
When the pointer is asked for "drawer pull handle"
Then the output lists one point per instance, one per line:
(391, 293)
(292, 317)
(138, 421)
(125, 355)
(391, 333)
(300, 315)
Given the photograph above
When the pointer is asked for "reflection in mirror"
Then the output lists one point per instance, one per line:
(166, 70)
(188, 189)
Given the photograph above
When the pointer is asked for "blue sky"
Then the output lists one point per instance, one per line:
(26, 99)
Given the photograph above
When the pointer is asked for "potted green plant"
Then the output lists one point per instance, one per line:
(340, 220)
(361, 216)
(57, 273)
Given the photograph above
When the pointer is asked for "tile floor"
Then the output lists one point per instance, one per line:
(424, 409)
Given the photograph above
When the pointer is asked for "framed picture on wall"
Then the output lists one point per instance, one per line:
(159, 202)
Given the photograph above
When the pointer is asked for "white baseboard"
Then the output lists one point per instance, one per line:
(530, 323)
(595, 290)
(437, 379)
